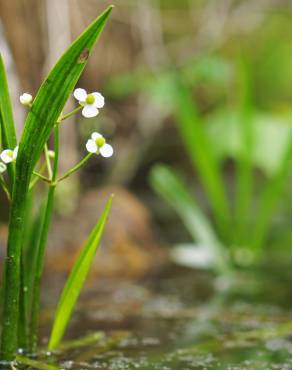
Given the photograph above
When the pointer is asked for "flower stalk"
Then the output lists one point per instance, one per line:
(5, 188)
(34, 319)
(75, 168)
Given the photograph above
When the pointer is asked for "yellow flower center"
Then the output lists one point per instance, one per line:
(100, 141)
(90, 99)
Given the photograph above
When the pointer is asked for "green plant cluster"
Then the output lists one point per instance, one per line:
(28, 233)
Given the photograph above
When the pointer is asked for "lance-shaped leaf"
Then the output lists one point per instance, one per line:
(6, 114)
(8, 134)
(197, 144)
(54, 93)
(171, 187)
(77, 279)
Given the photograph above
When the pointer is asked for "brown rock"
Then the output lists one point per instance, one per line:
(128, 247)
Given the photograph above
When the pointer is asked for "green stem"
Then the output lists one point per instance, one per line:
(62, 118)
(34, 364)
(5, 188)
(11, 280)
(41, 249)
(48, 162)
(42, 177)
(36, 178)
(75, 168)
(22, 323)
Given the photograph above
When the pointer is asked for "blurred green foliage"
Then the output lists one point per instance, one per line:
(241, 208)
(241, 202)
(232, 108)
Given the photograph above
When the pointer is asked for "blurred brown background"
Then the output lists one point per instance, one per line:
(142, 35)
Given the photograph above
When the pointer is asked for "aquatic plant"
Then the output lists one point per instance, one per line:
(227, 212)
(22, 166)
(237, 225)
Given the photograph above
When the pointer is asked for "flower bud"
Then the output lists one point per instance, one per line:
(25, 99)
(51, 154)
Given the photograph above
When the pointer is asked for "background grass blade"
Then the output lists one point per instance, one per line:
(8, 134)
(77, 279)
(46, 109)
(244, 169)
(201, 155)
(172, 189)
(268, 200)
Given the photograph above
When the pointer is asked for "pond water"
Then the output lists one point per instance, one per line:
(182, 319)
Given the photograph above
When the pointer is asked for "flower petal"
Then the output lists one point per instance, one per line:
(7, 156)
(2, 167)
(91, 146)
(98, 100)
(15, 152)
(89, 111)
(80, 94)
(95, 135)
(106, 150)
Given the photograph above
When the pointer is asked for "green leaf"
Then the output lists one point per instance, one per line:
(271, 136)
(201, 154)
(244, 172)
(170, 186)
(6, 114)
(268, 200)
(53, 95)
(8, 134)
(77, 279)
(35, 364)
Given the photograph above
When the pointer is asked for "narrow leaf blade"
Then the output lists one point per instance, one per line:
(200, 152)
(170, 186)
(244, 169)
(77, 279)
(8, 133)
(6, 113)
(53, 95)
(268, 201)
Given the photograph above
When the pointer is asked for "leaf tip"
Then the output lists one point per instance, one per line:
(109, 9)
(110, 200)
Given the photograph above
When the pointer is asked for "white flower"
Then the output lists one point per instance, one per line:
(90, 102)
(3, 167)
(25, 99)
(97, 144)
(9, 155)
